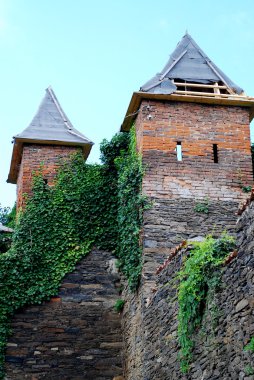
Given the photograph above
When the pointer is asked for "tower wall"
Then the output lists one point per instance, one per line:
(176, 188)
(34, 156)
(198, 127)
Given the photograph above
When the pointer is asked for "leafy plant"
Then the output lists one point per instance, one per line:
(250, 345)
(198, 275)
(119, 305)
(252, 157)
(202, 206)
(249, 370)
(130, 213)
(117, 147)
(246, 189)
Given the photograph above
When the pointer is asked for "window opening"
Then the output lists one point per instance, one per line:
(215, 154)
(179, 154)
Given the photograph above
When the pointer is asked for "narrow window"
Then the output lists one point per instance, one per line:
(215, 153)
(179, 151)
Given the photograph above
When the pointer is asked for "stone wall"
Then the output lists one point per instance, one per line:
(76, 335)
(166, 224)
(32, 157)
(219, 344)
(160, 125)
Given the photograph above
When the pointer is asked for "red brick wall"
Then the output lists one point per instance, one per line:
(33, 156)
(197, 126)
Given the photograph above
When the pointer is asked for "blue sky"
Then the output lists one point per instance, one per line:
(95, 54)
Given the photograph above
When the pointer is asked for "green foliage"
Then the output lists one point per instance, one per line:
(198, 275)
(249, 370)
(250, 345)
(130, 211)
(119, 305)
(45, 247)
(90, 205)
(202, 206)
(246, 189)
(116, 147)
(252, 156)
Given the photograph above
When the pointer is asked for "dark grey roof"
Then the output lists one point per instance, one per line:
(51, 124)
(189, 63)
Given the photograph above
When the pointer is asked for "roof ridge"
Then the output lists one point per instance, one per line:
(59, 108)
(208, 60)
(67, 123)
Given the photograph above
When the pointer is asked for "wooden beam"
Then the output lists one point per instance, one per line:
(217, 73)
(216, 88)
(212, 94)
(199, 85)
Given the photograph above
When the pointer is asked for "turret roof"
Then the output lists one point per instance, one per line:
(50, 123)
(188, 63)
(50, 126)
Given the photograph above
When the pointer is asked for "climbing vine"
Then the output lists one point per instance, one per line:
(130, 211)
(199, 275)
(89, 205)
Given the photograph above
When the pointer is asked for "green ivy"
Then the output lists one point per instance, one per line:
(119, 305)
(130, 212)
(250, 345)
(202, 207)
(198, 275)
(89, 205)
(246, 189)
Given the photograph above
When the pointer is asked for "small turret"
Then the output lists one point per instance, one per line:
(48, 138)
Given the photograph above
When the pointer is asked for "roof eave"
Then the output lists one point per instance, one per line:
(18, 149)
(137, 98)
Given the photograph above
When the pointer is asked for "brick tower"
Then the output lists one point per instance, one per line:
(49, 137)
(192, 128)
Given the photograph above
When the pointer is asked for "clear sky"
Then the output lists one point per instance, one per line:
(96, 53)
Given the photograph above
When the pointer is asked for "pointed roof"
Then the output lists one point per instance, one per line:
(188, 63)
(50, 126)
(188, 76)
(50, 123)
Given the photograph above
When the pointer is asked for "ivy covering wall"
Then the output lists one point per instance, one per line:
(90, 205)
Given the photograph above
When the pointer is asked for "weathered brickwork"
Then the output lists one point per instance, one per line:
(77, 335)
(161, 125)
(33, 156)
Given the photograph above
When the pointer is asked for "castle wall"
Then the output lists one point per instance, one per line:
(77, 335)
(161, 125)
(147, 317)
(227, 327)
(34, 155)
(176, 189)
